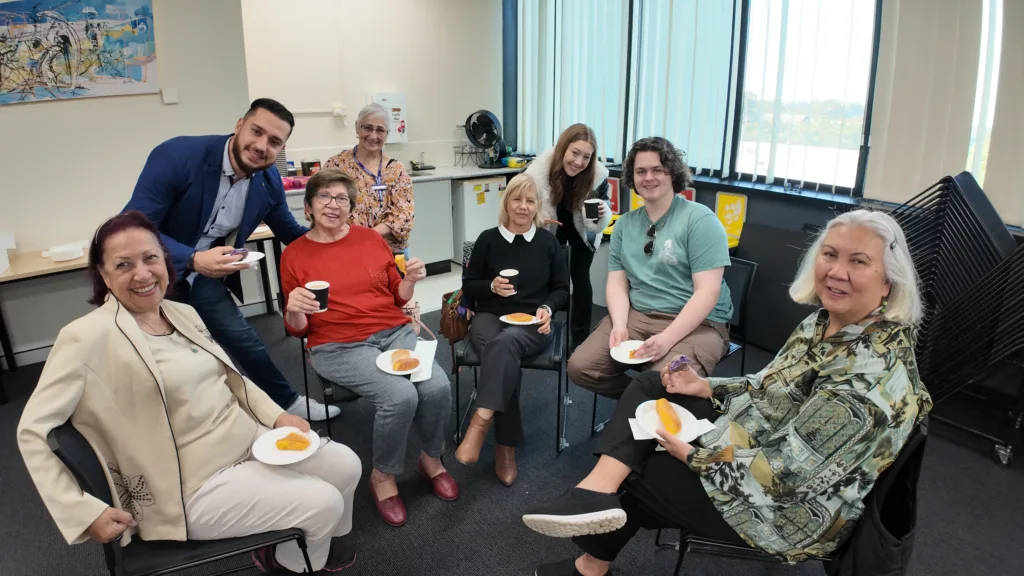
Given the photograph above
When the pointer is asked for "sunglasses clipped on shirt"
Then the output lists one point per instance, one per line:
(649, 246)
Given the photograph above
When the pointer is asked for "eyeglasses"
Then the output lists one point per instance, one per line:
(649, 247)
(371, 129)
(325, 200)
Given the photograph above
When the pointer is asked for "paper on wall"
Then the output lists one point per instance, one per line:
(6, 243)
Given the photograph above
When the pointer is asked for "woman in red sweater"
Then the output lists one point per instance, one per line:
(363, 319)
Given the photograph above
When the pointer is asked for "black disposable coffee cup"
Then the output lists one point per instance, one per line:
(320, 289)
(590, 209)
(512, 275)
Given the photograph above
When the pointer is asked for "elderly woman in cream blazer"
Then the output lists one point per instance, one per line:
(173, 422)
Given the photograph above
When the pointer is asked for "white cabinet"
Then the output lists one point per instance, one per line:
(431, 236)
(296, 207)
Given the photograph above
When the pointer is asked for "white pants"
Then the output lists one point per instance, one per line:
(314, 495)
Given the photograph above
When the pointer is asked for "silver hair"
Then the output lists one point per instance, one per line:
(904, 300)
(372, 111)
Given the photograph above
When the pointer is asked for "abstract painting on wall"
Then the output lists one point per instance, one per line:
(60, 49)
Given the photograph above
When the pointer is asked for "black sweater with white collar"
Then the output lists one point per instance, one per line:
(543, 275)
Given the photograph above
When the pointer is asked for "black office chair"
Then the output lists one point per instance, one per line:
(739, 277)
(152, 558)
(550, 359)
(894, 496)
(333, 393)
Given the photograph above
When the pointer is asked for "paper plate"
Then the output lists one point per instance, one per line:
(384, 363)
(647, 418)
(621, 352)
(265, 450)
(252, 256)
(508, 320)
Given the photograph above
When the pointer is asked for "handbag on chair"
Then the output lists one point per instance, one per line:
(454, 319)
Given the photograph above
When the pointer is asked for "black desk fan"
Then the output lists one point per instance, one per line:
(484, 131)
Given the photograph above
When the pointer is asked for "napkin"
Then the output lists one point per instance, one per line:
(703, 427)
(425, 350)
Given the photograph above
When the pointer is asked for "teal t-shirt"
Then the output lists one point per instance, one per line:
(688, 239)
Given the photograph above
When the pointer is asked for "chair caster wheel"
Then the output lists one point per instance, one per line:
(1003, 454)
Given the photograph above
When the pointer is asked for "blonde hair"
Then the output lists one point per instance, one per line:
(904, 300)
(521, 183)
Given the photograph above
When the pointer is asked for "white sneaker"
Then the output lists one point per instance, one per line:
(317, 411)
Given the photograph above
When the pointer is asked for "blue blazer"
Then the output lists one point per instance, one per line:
(177, 189)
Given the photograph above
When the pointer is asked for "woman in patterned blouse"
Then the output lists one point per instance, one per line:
(797, 447)
(385, 189)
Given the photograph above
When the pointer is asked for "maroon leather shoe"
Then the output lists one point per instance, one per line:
(444, 485)
(391, 510)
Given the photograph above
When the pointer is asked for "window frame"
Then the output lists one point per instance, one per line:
(732, 129)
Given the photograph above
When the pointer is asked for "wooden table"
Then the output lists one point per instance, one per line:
(29, 265)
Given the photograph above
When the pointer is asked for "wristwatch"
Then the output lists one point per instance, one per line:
(191, 266)
(492, 286)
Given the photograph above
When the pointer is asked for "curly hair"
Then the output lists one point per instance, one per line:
(671, 158)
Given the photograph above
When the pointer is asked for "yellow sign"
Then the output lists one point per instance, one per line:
(478, 187)
(481, 198)
(635, 201)
(731, 210)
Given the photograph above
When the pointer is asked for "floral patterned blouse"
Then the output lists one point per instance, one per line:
(800, 444)
(394, 207)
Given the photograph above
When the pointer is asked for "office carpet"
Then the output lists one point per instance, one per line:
(969, 523)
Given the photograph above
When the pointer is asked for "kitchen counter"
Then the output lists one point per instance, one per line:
(445, 173)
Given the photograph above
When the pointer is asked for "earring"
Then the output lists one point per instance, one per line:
(885, 304)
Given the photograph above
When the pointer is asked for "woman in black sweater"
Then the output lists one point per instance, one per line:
(540, 289)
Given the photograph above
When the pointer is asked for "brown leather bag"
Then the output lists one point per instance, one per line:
(454, 326)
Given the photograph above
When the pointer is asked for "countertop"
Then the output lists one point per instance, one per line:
(446, 173)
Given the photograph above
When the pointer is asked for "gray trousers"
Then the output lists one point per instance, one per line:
(400, 403)
(501, 348)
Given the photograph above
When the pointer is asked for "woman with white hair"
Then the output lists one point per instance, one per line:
(385, 189)
(797, 447)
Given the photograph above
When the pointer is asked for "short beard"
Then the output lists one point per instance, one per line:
(236, 151)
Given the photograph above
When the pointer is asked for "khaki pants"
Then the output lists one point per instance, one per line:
(592, 367)
(314, 495)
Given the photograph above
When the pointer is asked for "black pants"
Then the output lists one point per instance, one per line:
(580, 259)
(662, 491)
(501, 348)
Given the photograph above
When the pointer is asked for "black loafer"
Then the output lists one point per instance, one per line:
(579, 513)
(563, 568)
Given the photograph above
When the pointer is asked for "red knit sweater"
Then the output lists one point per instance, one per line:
(363, 297)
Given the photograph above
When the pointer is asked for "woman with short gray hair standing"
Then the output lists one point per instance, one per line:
(385, 189)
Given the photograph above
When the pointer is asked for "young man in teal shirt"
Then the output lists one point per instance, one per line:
(665, 269)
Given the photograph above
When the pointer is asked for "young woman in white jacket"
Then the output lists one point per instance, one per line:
(566, 176)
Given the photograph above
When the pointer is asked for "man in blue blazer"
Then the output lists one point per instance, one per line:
(207, 194)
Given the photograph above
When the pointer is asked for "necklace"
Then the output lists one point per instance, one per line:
(155, 331)
(190, 345)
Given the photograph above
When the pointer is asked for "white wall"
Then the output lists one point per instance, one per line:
(924, 102)
(69, 165)
(444, 55)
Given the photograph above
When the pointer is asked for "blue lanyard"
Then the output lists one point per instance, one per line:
(378, 179)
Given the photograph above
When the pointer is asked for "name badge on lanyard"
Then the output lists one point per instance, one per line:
(380, 189)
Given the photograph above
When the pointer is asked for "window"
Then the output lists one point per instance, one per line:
(805, 88)
(572, 69)
(773, 91)
(681, 82)
(988, 83)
